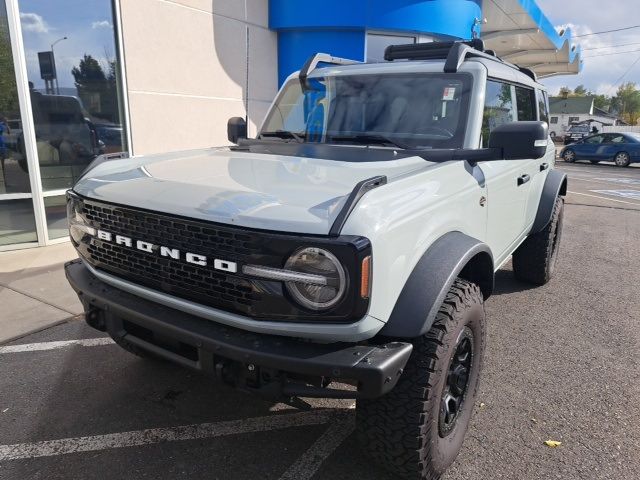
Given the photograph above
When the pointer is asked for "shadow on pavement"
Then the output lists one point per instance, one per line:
(507, 283)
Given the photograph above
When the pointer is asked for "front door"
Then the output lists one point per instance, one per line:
(592, 147)
(508, 187)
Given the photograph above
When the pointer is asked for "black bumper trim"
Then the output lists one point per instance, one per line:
(375, 368)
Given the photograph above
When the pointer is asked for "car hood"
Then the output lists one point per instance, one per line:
(264, 191)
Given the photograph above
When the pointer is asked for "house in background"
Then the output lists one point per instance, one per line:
(565, 112)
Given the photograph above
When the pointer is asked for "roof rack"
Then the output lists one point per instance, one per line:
(312, 63)
(455, 53)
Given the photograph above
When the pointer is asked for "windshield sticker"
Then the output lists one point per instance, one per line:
(632, 194)
(449, 93)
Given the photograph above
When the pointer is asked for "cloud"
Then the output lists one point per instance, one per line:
(32, 22)
(101, 24)
(602, 72)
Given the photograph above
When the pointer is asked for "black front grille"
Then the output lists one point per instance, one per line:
(233, 292)
(204, 284)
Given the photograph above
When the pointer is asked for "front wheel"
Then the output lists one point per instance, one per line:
(622, 159)
(416, 430)
(569, 156)
(535, 260)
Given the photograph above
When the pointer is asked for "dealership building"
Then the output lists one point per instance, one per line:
(80, 78)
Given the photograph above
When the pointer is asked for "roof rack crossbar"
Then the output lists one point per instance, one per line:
(455, 53)
(312, 63)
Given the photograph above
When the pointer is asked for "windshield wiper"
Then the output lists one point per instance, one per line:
(284, 134)
(368, 138)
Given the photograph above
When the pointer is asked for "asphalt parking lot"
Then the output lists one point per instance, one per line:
(562, 363)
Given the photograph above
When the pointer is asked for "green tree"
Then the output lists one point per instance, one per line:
(565, 92)
(602, 102)
(97, 89)
(9, 106)
(580, 91)
(627, 102)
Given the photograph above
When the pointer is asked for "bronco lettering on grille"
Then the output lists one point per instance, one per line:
(164, 251)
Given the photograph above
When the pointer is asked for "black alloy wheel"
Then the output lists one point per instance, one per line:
(455, 390)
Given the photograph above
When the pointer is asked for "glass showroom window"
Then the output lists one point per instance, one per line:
(17, 220)
(73, 74)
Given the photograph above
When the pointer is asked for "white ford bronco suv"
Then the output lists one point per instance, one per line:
(346, 251)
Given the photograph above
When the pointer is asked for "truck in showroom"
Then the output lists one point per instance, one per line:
(345, 252)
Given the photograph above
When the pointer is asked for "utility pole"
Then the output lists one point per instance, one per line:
(54, 64)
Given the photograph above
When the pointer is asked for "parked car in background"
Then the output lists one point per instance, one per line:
(576, 132)
(110, 137)
(620, 148)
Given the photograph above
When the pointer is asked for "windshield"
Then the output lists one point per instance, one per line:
(579, 129)
(635, 136)
(404, 110)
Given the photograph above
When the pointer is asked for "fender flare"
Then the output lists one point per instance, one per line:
(452, 255)
(555, 185)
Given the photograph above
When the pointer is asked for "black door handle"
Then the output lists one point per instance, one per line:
(522, 179)
(544, 166)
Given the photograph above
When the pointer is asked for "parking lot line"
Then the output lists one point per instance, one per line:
(308, 464)
(631, 186)
(35, 347)
(604, 198)
(65, 446)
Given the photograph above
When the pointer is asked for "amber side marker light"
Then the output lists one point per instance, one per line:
(365, 277)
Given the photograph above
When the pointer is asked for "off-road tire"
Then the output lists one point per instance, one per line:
(535, 260)
(401, 430)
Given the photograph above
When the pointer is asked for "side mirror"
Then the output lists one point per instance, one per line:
(236, 129)
(520, 140)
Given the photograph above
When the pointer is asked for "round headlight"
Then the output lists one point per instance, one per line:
(321, 263)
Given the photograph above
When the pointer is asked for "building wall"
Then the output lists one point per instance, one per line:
(186, 68)
(339, 27)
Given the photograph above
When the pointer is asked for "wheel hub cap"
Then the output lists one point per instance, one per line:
(457, 383)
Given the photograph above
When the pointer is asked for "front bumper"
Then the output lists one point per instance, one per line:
(270, 365)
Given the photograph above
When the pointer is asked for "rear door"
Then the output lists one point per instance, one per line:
(506, 180)
(612, 144)
(535, 169)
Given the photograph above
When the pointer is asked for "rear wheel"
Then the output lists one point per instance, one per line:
(569, 156)
(622, 159)
(417, 429)
(535, 260)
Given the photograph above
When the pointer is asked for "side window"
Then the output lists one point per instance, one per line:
(554, 120)
(543, 110)
(573, 119)
(595, 139)
(499, 108)
(526, 102)
(616, 139)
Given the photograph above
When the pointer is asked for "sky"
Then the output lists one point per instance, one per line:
(600, 74)
(86, 23)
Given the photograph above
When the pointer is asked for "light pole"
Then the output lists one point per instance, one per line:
(54, 63)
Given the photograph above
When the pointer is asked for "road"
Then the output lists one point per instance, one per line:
(563, 363)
